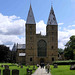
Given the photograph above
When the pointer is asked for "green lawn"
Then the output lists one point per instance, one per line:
(62, 70)
(22, 71)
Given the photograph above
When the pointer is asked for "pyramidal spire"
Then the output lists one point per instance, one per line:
(52, 18)
(30, 17)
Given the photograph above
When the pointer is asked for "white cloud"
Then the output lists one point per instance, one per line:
(12, 30)
(41, 27)
(64, 36)
(71, 26)
(1, 42)
(60, 23)
(59, 27)
(11, 39)
(11, 25)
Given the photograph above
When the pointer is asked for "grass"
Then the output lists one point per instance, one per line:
(22, 71)
(62, 70)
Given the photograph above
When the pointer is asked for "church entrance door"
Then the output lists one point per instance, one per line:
(41, 60)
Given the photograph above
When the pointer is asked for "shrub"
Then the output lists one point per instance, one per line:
(65, 62)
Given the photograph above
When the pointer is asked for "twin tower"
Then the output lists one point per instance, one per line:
(41, 49)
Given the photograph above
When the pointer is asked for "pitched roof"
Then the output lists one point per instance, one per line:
(14, 47)
(52, 18)
(30, 17)
(21, 46)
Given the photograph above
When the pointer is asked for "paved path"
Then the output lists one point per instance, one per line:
(41, 71)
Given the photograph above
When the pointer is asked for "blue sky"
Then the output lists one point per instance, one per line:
(64, 9)
(13, 15)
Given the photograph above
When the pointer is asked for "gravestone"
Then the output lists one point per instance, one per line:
(21, 66)
(17, 65)
(6, 66)
(6, 72)
(72, 67)
(34, 68)
(0, 72)
(29, 72)
(2, 66)
(26, 65)
(55, 66)
(15, 72)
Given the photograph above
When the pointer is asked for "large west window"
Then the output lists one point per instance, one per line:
(42, 48)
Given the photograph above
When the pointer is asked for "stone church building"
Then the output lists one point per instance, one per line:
(39, 48)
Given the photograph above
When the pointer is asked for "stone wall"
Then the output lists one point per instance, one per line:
(20, 59)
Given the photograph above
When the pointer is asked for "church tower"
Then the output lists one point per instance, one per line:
(52, 37)
(39, 48)
(30, 36)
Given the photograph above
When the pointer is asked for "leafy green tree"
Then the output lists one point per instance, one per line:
(68, 53)
(74, 54)
(60, 51)
(4, 53)
(70, 48)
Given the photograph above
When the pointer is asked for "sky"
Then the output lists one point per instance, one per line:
(13, 15)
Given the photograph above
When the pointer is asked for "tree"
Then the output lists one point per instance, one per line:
(4, 53)
(60, 51)
(70, 48)
(68, 53)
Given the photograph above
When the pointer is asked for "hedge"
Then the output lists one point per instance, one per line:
(65, 62)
